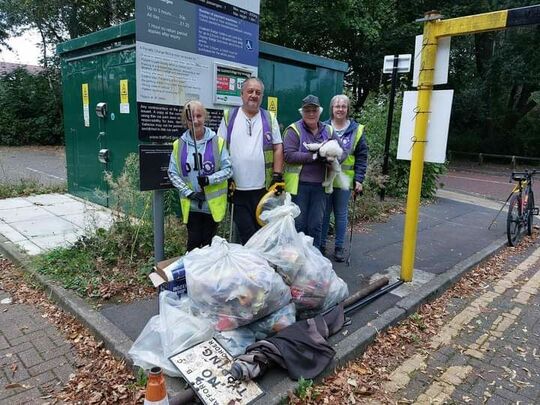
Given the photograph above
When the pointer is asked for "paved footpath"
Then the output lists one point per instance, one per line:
(489, 352)
(35, 359)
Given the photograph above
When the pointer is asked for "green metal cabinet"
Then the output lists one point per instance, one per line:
(103, 59)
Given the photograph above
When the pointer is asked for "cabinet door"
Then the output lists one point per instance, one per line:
(85, 131)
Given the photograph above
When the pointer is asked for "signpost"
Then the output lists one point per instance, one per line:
(187, 50)
(393, 64)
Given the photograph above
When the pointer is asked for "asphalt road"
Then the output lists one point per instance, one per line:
(490, 181)
(44, 164)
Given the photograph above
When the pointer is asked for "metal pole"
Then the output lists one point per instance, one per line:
(389, 121)
(425, 86)
(159, 225)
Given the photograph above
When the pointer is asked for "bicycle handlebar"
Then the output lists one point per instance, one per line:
(518, 176)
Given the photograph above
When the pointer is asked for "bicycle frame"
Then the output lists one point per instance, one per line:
(521, 208)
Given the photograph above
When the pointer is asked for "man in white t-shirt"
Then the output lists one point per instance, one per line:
(256, 149)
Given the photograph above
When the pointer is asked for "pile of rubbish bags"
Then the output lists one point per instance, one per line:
(241, 294)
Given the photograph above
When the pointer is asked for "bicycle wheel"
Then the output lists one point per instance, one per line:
(513, 220)
(530, 213)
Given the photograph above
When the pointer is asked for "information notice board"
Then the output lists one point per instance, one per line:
(191, 50)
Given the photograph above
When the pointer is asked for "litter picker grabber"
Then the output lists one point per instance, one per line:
(230, 194)
(274, 197)
(196, 159)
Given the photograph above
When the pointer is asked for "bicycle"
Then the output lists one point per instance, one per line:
(521, 209)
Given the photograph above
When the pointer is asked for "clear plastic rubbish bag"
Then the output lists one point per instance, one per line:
(182, 326)
(314, 282)
(278, 241)
(236, 341)
(274, 322)
(337, 292)
(233, 285)
(175, 329)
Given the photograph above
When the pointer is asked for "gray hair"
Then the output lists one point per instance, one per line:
(335, 99)
(244, 83)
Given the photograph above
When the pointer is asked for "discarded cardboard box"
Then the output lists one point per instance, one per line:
(170, 275)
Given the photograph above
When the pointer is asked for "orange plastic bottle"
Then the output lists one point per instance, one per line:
(156, 392)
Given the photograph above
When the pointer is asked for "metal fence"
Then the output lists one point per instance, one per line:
(514, 159)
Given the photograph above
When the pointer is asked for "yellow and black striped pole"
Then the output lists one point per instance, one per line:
(435, 28)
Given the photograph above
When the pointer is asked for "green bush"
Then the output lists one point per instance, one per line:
(374, 116)
(30, 109)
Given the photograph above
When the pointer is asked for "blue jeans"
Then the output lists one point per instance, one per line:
(311, 199)
(338, 202)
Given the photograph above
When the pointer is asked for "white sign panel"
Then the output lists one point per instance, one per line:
(404, 63)
(441, 62)
(437, 128)
(206, 368)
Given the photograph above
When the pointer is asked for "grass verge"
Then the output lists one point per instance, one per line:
(28, 187)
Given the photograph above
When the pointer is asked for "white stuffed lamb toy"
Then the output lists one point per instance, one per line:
(332, 152)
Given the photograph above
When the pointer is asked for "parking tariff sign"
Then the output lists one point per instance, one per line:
(205, 367)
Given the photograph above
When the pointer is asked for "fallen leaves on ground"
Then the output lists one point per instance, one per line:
(361, 380)
(99, 377)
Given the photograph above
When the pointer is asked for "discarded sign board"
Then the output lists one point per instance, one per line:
(205, 367)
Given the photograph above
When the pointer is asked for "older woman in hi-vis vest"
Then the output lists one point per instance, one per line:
(199, 168)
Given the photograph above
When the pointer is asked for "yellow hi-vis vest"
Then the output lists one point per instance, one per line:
(216, 194)
(347, 166)
(292, 171)
(267, 118)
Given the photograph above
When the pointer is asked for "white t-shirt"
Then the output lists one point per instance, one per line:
(247, 150)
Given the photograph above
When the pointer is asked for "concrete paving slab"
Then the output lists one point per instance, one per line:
(55, 241)
(91, 220)
(12, 203)
(33, 212)
(49, 199)
(420, 278)
(37, 228)
(29, 247)
(70, 208)
(10, 233)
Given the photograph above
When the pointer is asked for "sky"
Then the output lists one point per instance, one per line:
(25, 49)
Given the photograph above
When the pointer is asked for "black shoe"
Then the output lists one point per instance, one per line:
(339, 255)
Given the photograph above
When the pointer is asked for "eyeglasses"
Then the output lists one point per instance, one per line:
(250, 126)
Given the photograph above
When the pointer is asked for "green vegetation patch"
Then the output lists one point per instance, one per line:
(28, 187)
(114, 264)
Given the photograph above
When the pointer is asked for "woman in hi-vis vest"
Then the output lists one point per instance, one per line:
(353, 138)
(199, 168)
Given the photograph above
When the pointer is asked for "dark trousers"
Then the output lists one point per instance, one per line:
(245, 206)
(201, 228)
(311, 199)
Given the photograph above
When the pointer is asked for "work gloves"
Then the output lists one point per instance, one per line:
(198, 197)
(317, 156)
(277, 178)
(203, 181)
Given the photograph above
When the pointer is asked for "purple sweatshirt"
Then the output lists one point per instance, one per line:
(313, 171)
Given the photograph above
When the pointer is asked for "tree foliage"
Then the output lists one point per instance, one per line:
(29, 113)
(495, 75)
(31, 105)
